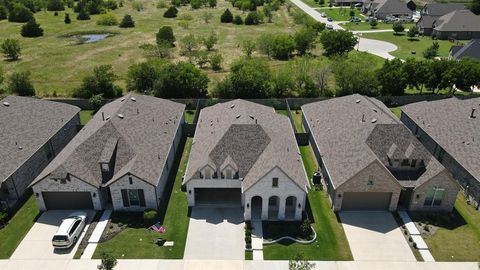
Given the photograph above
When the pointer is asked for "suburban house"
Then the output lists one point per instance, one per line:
(450, 130)
(122, 157)
(470, 50)
(33, 132)
(381, 9)
(370, 161)
(245, 155)
(431, 12)
(458, 24)
(348, 2)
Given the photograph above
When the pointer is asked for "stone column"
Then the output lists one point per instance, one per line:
(247, 212)
(264, 208)
(281, 208)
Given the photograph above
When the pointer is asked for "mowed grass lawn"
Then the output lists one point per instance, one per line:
(85, 116)
(406, 46)
(397, 111)
(461, 243)
(366, 26)
(58, 64)
(138, 243)
(18, 226)
(340, 14)
(331, 243)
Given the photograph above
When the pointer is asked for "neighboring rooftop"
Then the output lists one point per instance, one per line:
(440, 9)
(458, 20)
(470, 50)
(450, 124)
(26, 125)
(136, 131)
(391, 6)
(251, 135)
(353, 131)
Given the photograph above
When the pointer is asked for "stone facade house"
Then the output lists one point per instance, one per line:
(458, 24)
(470, 50)
(33, 132)
(122, 157)
(370, 161)
(450, 130)
(433, 11)
(245, 155)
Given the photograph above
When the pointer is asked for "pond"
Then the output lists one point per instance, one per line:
(92, 38)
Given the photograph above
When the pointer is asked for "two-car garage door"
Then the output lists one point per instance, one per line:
(67, 200)
(353, 201)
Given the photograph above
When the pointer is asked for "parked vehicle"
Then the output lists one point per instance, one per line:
(329, 26)
(70, 230)
(355, 19)
(329, 19)
(323, 15)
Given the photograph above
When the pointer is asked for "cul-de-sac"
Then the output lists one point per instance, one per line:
(239, 134)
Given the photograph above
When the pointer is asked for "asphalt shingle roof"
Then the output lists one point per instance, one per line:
(28, 123)
(440, 9)
(448, 122)
(458, 20)
(254, 136)
(472, 50)
(136, 130)
(348, 145)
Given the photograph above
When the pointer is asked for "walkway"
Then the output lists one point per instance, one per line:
(416, 236)
(96, 234)
(257, 240)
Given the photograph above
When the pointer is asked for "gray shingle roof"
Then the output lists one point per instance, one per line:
(254, 136)
(348, 145)
(440, 9)
(391, 7)
(138, 130)
(472, 50)
(458, 21)
(448, 122)
(28, 123)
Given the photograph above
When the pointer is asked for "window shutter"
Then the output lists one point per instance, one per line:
(126, 202)
(141, 196)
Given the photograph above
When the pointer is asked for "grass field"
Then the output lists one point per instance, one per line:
(138, 242)
(340, 14)
(18, 226)
(361, 26)
(57, 64)
(406, 46)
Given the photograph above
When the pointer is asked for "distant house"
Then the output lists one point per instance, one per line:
(470, 50)
(33, 132)
(348, 2)
(458, 24)
(245, 155)
(122, 157)
(370, 161)
(381, 9)
(432, 12)
(450, 130)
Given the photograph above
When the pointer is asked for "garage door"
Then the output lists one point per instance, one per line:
(218, 197)
(366, 200)
(67, 200)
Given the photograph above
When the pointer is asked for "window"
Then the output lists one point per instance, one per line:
(434, 196)
(74, 227)
(130, 180)
(133, 197)
(275, 182)
(414, 163)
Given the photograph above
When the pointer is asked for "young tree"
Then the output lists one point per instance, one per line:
(238, 20)
(268, 12)
(398, 27)
(97, 101)
(108, 262)
(283, 46)
(201, 58)
(107, 19)
(181, 80)
(253, 18)
(248, 47)
(83, 15)
(165, 35)
(127, 22)
(215, 61)
(143, 76)
(19, 83)
(171, 12)
(207, 16)
(55, 5)
(196, 4)
(11, 49)
(299, 263)
(412, 32)
(355, 74)
(264, 44)
(226, 17)
(162, 50)
(305, 40)
(100, 82)
(337, 42)
(432, 51)
(189, 43)
(20, 14)
(373, 23)
(392, 78)
(67, 19)
(31, 29)
(210, 41)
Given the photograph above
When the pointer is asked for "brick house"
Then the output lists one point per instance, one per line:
(370, 161)
(33, 132)
(245, 155)
(450, 130)
(122, 157)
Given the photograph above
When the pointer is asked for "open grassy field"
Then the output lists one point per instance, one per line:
(340, 14)
(58, 64)
(137, 242)
(406, 46)
(18, 226)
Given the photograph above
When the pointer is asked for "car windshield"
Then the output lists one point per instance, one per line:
(60, 238)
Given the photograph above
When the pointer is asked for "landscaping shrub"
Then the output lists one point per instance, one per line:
(111, 4)
(20, 13)
(226, 17)
(171, 12)
(83, 15)
(107, 19)
(11, 49)
(238, 20)
(150, 216)
(215, 61)
(55, 5)
(398, 27)
(31, 29)
(67, 19)
(196, 4)
(127, 22)
(3, 217)
(55, 13)
(253, 18)
(100, 82)
(165, 35)
(305, 228)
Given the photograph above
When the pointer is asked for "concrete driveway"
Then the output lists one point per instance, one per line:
(375, 236)
(37, 244)
(215, 234)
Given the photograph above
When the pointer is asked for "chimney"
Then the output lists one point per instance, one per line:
(472, 115)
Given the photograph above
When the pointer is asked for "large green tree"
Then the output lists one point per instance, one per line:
(337, 42)
(181, 80)
(392, 78)
(20, 13)
(305, 40)
(165, 36)
(100, 82)
(19, 83)
(142, 77)
(355, 74)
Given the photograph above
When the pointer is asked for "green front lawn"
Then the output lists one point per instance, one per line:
(340, 14)
(309, 161)
(85, 116)
(362, 26)
(18, 226)
(458, 238)
(282, 112)
(397, 111)
(406, 46)
(136, 242)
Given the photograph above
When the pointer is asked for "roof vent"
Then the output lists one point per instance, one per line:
(123, 99)
(472, 114)
(232, 106)
(133, 99)
(363, 117)
(375, 110)
(107, 117)
(120, 116)
(357, 101)
(251, 116)
(374, 120)
(6, 104)
(238, 116)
